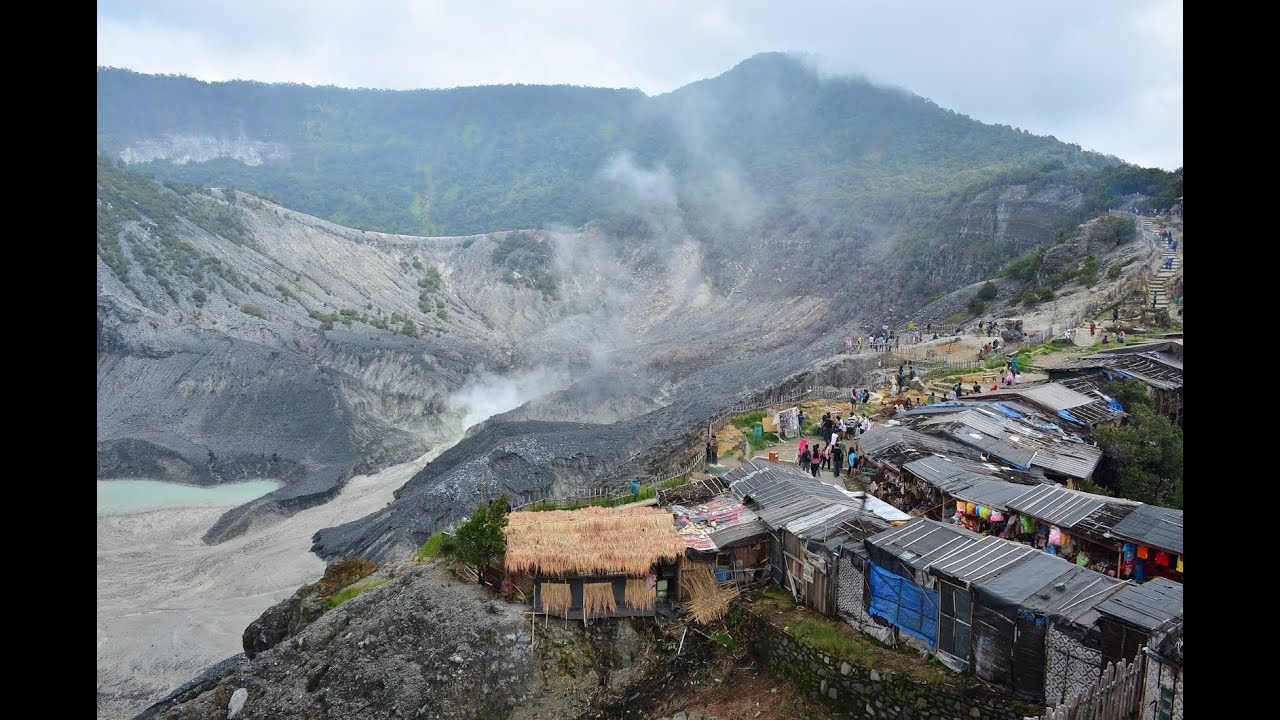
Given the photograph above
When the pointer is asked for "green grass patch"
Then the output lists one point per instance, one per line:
(830, 640)
(760, 443)
(673, 482)
(776, 593)
(724, 639)
(355, 590)
(747, 421)
(432, 547)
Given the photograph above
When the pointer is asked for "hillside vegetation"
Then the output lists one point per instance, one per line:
(466, 160)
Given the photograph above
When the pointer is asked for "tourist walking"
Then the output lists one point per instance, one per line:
(837, 460)
(815, 460)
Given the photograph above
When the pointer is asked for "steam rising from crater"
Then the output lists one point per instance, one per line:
(489, 394)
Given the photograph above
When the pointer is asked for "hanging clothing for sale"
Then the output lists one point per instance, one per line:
(1142, 552)
(1162, 558)
(1055, 536)
(1179, 563)
(1127, 551)
(1028, 525)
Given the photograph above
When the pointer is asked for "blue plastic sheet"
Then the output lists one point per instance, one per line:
(911, 608)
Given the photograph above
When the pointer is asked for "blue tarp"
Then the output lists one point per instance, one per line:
(1065, 415)
(1006, 410)
(907, 605)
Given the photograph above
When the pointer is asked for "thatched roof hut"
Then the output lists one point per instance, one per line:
(591, 541)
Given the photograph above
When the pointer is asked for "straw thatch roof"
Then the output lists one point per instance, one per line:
(591, 541)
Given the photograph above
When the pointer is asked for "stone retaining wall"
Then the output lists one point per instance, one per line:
(869, 693)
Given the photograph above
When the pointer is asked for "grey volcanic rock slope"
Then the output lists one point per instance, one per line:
(238, 339)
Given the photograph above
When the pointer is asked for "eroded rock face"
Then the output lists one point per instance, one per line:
(428, 646)
(288, 617)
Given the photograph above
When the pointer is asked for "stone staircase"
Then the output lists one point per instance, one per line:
(1161, 280)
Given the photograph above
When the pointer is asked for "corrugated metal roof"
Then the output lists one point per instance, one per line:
(1055, 396)
(738, 533)
(1092, 413)
(1146, 606)
(984, 559)
(921, 542)
(980, 431)
(1057, 505)
(778, 515)
(1103, 520)
(1075, 460)
(942, 473)
(1087, 385)
(785, 495)
(1023, 442)
(897, 445)
(1155, 370)
(993, 493)
(953, 474)
(1076, 602)
(869, 503)
(1072, 510)
(1152, 525)
(823, 517)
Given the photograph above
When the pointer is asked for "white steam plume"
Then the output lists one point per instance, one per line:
(488, 394)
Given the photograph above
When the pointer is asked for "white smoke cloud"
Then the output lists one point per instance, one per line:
(488, 394)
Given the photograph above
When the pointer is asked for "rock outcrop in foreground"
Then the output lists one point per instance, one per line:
(425, 645)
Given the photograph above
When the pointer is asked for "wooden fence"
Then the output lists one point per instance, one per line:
(1117, 696)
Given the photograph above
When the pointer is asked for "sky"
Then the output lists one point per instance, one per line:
(1103, 74)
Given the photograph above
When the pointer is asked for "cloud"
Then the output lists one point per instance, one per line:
(1045, 67)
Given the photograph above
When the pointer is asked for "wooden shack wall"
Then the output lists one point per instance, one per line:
(575, 588)
(819, 593)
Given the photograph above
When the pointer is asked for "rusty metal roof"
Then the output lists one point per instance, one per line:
(1155, 370)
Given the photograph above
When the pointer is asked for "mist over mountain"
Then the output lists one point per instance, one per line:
(599, 256)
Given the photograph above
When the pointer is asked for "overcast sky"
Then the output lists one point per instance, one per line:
(1104, 74)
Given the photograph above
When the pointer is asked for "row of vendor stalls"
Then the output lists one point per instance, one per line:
(942, 476)
(1021, 619)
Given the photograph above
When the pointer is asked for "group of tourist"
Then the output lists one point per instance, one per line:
(833, 452)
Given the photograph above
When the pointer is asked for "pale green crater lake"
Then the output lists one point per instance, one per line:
(126, 497)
